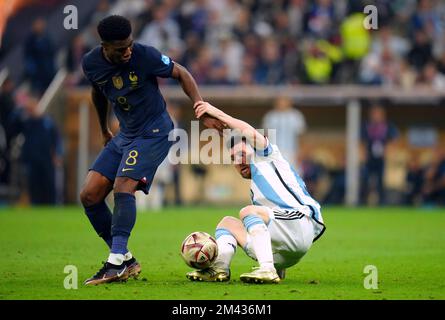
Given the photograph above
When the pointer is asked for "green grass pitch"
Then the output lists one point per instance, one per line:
(406, 245)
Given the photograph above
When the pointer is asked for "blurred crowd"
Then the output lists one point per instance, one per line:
(250, 42)
(424, 181)
(229, 42)
(31, 150)
(245, 42)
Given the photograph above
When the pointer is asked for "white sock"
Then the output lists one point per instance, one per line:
(226, 250)
(262, 245)
(116, 258)
(128, 256)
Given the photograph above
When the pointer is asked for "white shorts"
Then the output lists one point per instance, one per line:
(292, 234)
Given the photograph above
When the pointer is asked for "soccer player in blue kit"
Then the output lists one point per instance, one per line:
(125, 73)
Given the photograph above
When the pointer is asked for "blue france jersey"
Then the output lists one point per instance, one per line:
(276, 184)
(132, 88)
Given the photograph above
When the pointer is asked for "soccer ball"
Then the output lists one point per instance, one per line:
(199, 250)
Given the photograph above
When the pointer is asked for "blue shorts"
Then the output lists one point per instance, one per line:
(136, 158)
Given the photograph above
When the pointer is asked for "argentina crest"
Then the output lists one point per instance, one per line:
(118, 82)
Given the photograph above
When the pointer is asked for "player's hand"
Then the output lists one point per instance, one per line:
(202, 107)
(106, 137)
(207, 114)
(213, 123)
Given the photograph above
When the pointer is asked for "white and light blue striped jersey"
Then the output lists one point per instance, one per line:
(277, 185)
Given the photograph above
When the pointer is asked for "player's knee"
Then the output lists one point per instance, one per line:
(247, 210)
(227, 222)
(89, 198)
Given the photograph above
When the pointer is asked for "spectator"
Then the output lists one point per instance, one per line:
(270, 68)
(336, 192)
(218, 73)
(320, 59)
(434, 183)
(76, 50)
(382, 65)
(386, 40)
(9, 116)
(129, 8)
(228, 12)
(414, 181)
(311, 172)
(356, 43)
(39, 57)
(421, 52)
(163, 32)
(41, 153)
(295, 12)
(232, 57)
(201, 67)
(432, 77)
(242, 30)
(320, 19)
(389, 67)
(407, 76)
(199, 18)
(441, 63)
(248, 67)
(242, 26)
(281, 24)
(403, 10)
(289, 124)
(192, 47)
(252, 45)
(291, 61)
(377, 133)
(101, 11)
(8, 128)
(370, 70)
(426, 18)
(200, 172)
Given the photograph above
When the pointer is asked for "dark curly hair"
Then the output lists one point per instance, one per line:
(114, 28)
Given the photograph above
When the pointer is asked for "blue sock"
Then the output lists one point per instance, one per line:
(224, 232)
(100, 217)
(124, 218)
(251, 220)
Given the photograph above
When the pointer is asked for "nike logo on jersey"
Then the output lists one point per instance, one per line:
(127, 169)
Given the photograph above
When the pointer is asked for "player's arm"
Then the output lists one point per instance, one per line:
(187, 82)
(255, 138)
(190, 88)
(102, 108)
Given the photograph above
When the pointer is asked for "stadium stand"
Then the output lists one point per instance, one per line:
(245, 53)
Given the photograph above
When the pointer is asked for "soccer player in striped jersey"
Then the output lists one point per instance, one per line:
(282, 222)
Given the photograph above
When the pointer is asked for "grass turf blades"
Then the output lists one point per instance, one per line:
(406, 245)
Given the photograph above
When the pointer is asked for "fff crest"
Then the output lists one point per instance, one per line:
(118, 82)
